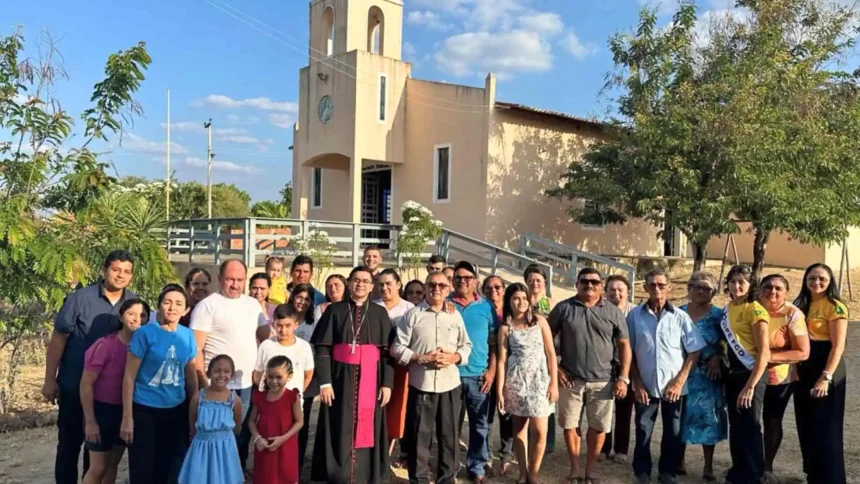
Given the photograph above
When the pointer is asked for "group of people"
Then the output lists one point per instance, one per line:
(192, 386)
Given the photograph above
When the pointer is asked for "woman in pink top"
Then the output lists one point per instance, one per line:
(101, 394)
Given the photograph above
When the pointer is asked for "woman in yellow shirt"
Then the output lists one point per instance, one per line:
(819, 400)
(789, 344)
(745, 333)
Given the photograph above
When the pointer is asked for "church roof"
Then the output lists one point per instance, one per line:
(547, 112)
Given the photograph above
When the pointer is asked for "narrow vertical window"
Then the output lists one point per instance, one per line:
(383, 85)
(442, 174)
(316, 188)
(328, 31)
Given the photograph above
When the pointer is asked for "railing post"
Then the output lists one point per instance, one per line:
(549, 273)
(523, 245)
(571, 271)
(495, 261)
(447, 247)
(251, 238)
(217, 244)
(356, 243)
(190, 242)
(306, 227)
(631, 274)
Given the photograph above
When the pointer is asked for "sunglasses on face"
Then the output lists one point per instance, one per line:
(657, 285)
(495, 288)
(700, 287)
(464, 278)
(437, 285)
(590, 282)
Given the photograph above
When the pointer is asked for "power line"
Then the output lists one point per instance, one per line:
(482, 108)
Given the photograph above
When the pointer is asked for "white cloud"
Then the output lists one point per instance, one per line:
(240, 139)
(263, 103)
(665, 8)
(577, 48)
(233, 118)
(409, 50)
(546, 22)
(428, 19)
(505, 53)
(281, 120)
(713, 18)
(221, 165)
(133, 142)
(488, 14)
(443, 5)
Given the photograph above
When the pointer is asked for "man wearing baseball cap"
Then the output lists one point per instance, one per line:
(478, 375)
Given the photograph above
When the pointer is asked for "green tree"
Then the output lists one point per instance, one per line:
(270, 209)
(287, 197)
(659, 162)
(53, 229)
(228, 201)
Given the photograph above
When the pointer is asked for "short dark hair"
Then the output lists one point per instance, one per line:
(360, 269)
(193, 272)
(588, 270)
(534, 269)
(391, 272)
(286, 311)
(218, 358)
(435, 259)
(172, 288)
(223, 267)
(260, 275)
(118, 255)
(301, 260)
(372, 247)
(342, 280)
(130, 303)
(618, 277)
(654, 273)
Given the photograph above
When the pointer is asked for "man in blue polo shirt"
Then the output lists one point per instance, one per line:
(478, 375)
(87, 314)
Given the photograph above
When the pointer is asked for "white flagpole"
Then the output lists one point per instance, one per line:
(167, 185)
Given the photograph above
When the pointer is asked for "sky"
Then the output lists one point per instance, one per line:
(547, 53)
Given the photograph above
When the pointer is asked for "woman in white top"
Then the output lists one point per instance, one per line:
(389, 286)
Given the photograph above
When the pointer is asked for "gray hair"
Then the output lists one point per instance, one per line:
(704, 276)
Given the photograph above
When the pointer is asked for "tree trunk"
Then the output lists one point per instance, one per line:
(700, 255)
(759, 249)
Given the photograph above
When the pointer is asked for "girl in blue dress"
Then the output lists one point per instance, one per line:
(705, 420)
(213, 457)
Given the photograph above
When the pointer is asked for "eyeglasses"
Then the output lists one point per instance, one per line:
(657, 285)
(436, 285)
(771, 287)
(464, 278)
(590, 282)
(362, 282)
(700, 287)
(496, 288)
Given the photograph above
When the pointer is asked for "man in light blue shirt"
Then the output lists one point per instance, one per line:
(665, 346)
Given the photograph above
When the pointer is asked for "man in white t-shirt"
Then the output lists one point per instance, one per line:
(285, 343)
(228, 322)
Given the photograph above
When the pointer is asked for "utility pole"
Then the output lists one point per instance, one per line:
(167, 182)
(209, 156)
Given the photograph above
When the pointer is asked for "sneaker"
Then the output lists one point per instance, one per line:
(619, 458)
(642, 479)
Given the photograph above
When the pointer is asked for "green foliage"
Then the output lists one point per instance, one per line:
(752, 125)
(317, 245)
(287, 197)
(228, 201)
(58, 219)
(188, 200)
(419, 228)
(270, 209)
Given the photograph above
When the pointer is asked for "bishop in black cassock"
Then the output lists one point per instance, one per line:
(351, 358)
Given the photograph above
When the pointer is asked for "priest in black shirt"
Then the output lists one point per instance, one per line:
(355, 375)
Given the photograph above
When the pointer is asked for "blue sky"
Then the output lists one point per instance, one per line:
(548, 53)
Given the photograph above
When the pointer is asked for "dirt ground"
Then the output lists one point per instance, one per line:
(27, 456)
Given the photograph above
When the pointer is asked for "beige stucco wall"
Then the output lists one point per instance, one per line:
(781, 251)
(437, 114)
(375, 140)
(528, 154)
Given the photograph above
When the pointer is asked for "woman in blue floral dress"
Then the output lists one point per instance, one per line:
(705, 418)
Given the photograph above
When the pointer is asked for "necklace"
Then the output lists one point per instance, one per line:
(356, 331)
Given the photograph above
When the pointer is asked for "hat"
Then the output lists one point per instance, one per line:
(466, 266)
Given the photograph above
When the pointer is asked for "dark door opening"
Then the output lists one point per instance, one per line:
(376, 203)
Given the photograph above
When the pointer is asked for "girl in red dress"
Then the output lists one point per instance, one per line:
(275, 422)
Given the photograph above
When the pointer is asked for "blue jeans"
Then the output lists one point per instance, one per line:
(480, 407)
(243, 438)
(670, 445)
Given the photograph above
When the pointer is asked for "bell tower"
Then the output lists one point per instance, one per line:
(341, 26)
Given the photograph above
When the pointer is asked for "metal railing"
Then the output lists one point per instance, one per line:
(491, 256)
(254, 239)
(569, 260)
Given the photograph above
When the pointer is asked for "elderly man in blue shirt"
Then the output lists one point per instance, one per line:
(665, 346)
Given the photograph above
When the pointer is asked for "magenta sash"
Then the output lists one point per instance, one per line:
(366, 357)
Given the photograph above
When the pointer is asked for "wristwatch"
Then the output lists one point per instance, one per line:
(625, 380)
(827, 376)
